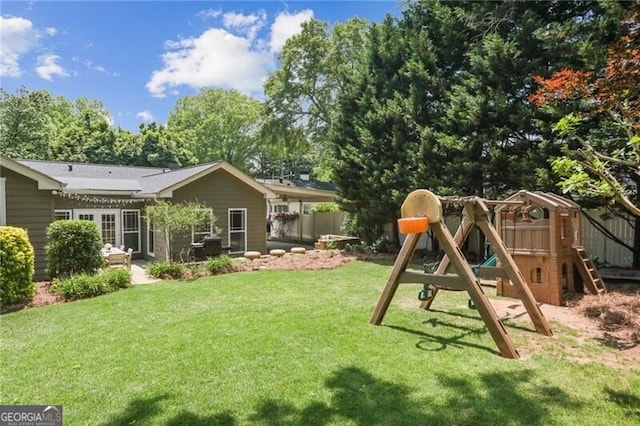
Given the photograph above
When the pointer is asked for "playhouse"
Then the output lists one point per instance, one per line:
(541, 231)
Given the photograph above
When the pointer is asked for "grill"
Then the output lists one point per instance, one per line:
(209, 247)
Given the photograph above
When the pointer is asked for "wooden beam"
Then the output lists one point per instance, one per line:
(461, 235)
(481, 219)
(447, 280)
(406, 252)
(488, 314)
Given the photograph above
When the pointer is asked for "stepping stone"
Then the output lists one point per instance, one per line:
(277, 252)
(298, 250)
(252, 255)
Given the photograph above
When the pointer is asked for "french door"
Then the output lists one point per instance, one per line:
(107, 221)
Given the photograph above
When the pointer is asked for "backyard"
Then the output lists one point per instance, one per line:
(281, 347)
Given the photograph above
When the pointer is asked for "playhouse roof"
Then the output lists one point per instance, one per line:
(548, 200)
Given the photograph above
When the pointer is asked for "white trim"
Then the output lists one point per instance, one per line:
(139, 231)
(151, 233)
(44, 181)
(3, 201)
(68, 212)
(168, 191)
(97, 218)
(244, 230)
(209, 232)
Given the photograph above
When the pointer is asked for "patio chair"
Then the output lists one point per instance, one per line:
(117, 260)
(128, 258)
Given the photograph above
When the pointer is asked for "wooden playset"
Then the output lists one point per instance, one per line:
(421, 210)
(542, 233)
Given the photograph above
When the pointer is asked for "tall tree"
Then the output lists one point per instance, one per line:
(26, 127)
(86, 135)
(315, 66)
(375, 134)
(601, 130)
(219, 124)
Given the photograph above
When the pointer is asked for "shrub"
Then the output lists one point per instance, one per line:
(16, 266)
(165, 270)
(73, 248)
(219, 265)
(325, 208)
(79, 286)
(116, 278)
(83, 286)
(354, 248)
(382, 245)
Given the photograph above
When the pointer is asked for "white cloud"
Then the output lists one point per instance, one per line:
(47, 67)
(209, 13)
(215, 58)
(99, 68)
(18, 36)
(287, 25)
(145, 116)
(245, 24)
(233, 57)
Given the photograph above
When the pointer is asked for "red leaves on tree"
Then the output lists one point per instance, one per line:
(616, 88)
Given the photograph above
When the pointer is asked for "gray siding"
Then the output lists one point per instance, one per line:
(32, 209)
(222, 191)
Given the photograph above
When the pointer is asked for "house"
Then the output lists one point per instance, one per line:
(300, 196)
(35, 193)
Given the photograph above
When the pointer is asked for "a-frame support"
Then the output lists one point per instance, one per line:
(422, 203)
(476, 213)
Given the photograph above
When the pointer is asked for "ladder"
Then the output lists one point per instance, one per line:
(590, 276)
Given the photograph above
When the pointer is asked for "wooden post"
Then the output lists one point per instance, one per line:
(488, 314)
(403, 259)
(481, 219)
(461, 235)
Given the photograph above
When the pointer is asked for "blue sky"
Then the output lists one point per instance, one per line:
(138, 58)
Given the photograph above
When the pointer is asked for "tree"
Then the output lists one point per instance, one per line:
(601, 127)
(218, 124)
(171, 219)
(316, 64)
(85, 135)
(375, 134)
(26, 128)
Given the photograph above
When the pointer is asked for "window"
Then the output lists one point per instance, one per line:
(306, 208)
(108, 221)
(151, 240)
(131, 229)
(3, 202)
(280, 208)
(238, 230)
(62, 215)
(204, 230)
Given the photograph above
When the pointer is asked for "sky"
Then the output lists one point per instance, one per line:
(139, 57)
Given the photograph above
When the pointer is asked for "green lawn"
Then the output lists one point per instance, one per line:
(295, 348)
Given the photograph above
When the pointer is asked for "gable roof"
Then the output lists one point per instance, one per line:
(139, 182)
(44, 181)
(299, 189)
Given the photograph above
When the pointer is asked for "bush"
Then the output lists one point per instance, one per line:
(354, 248)
(382, 245)
(79, 286)
(219, 265)
(165, 270)
(83, 286)
(325, 208)
(73, 248)
(16, 266)
(116, 278)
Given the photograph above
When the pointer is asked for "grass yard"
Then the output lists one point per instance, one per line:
(295, 348)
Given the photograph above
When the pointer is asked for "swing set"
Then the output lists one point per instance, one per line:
(421, 210)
